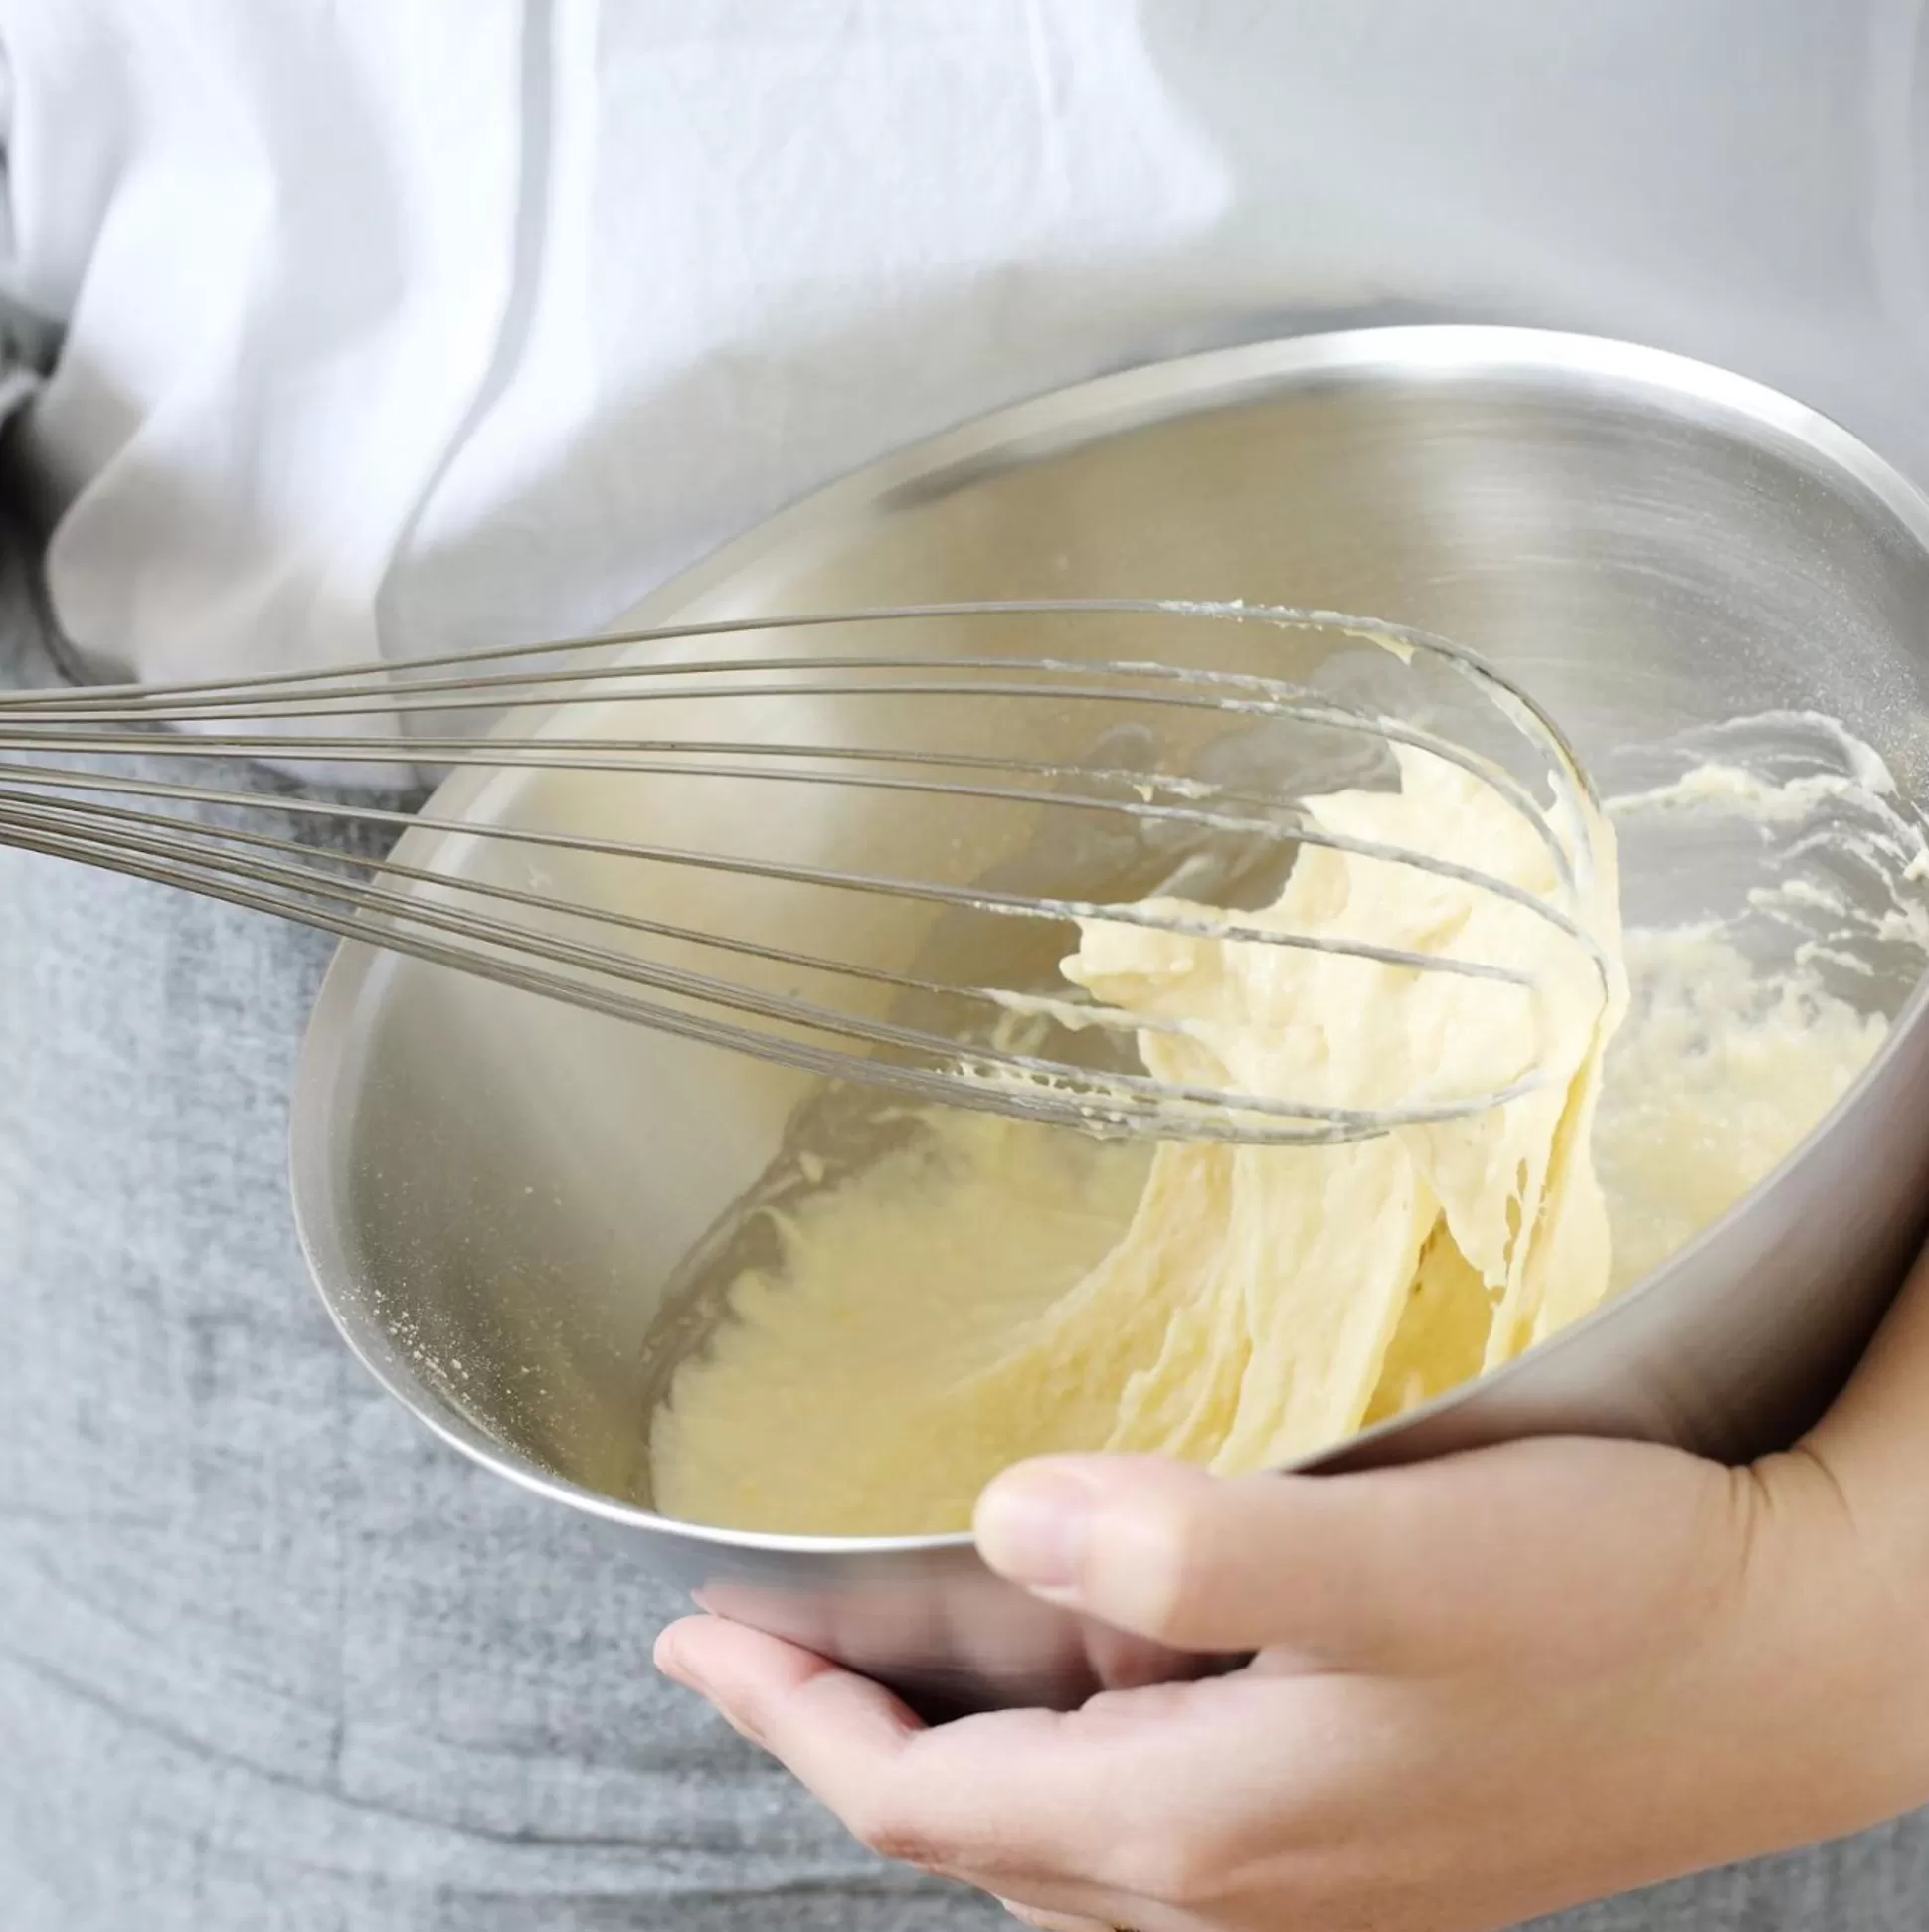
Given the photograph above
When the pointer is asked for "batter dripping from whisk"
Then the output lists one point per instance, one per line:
(998, 1290)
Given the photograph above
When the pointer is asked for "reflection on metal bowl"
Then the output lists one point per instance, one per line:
(496, 1193)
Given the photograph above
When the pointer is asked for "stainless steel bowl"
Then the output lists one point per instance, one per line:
(493, 1192)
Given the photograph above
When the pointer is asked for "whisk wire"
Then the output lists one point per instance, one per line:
(453, 918)
(383, 696)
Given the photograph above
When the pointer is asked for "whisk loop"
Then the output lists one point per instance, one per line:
(1045, 790)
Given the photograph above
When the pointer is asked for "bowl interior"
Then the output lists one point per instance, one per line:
(498, 1191)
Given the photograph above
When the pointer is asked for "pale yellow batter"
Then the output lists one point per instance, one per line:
(996, 1289)
(1713, 1081)
(975, 1300)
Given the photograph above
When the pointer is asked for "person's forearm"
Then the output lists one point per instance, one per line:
(1870, 1460)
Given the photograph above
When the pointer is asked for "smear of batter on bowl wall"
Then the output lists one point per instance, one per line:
(991, 1289)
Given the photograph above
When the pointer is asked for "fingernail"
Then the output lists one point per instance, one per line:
(669, 1664)
(1034, 1524)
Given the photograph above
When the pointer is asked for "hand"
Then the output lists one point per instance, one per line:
(1487, 1687)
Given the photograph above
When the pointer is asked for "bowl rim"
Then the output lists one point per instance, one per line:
(1011, 437)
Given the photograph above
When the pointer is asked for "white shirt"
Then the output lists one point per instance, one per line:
(401, 325)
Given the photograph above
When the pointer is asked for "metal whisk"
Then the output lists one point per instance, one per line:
(859, 863)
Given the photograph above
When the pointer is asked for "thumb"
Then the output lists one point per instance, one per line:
(1328, 1565)
(1566, 1546)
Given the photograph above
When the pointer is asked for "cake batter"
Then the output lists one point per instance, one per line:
(972, 1300)
(993, 1289)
